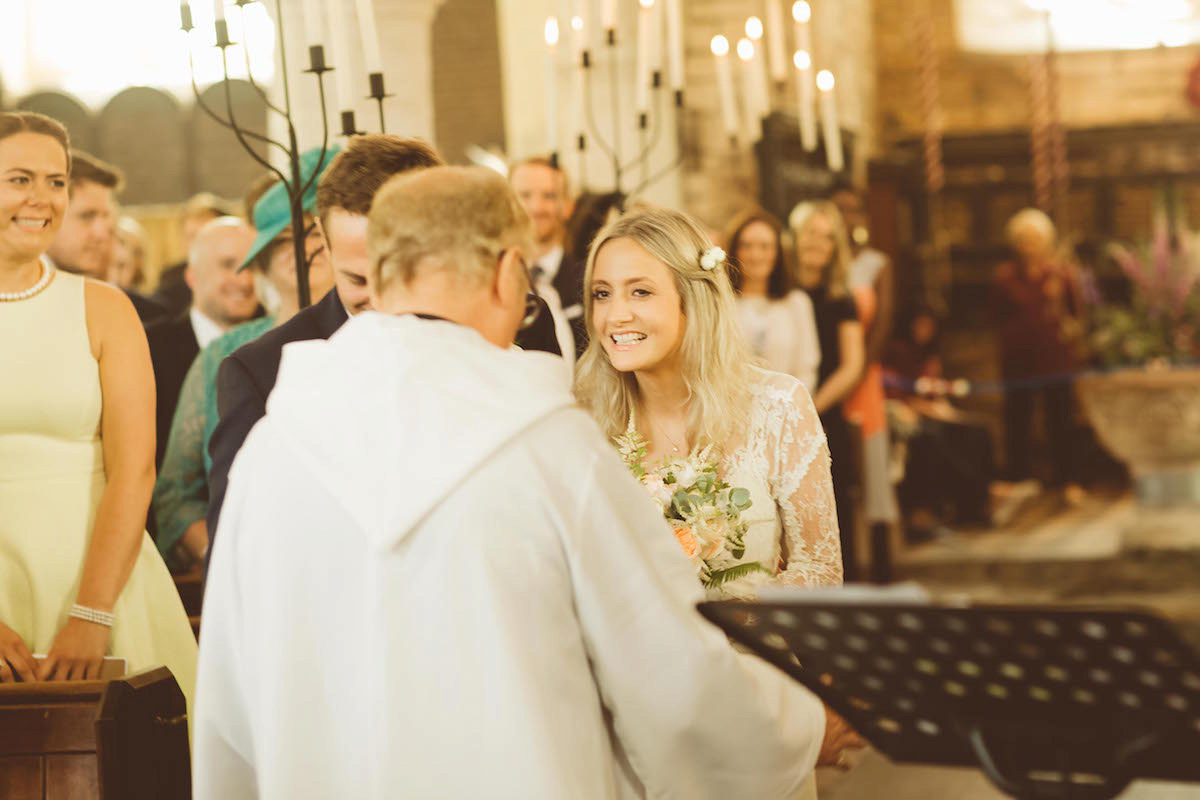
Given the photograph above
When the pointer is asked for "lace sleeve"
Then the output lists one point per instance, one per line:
(803, 491)
(181, 491)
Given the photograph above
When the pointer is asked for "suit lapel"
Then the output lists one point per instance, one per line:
(331, 314)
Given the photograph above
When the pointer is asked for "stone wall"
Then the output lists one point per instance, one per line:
(986, 92)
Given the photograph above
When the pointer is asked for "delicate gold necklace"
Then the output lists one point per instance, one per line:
(632, 428)
(674, 445)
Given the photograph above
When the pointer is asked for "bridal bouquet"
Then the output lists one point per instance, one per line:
(704, 511)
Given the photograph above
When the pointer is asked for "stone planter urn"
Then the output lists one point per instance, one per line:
(1149, 418)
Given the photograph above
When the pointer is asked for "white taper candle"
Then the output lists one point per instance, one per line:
(641, 84)
(775, 46)
(608, 15)
(829, 122)
(551, 34)
(370, 35)
(675, 43)
(341, 59)
(312, 22)
(720, 51)
(806, 97)
(751, 120)
(656, 37)
(762, 91)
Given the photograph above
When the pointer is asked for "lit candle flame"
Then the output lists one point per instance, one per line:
(825, 80)
(551, 31)
(576, 23)
(745, 49)
(801, 11)
(720, 46)
(802, 60)
(754, 28)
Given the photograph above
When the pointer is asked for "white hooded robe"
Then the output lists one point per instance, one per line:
(434, 578)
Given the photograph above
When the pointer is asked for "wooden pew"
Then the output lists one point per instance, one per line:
(124, 739)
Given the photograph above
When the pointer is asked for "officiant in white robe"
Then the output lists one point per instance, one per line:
(435, 579)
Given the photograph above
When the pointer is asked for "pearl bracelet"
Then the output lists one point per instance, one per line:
(86, 614)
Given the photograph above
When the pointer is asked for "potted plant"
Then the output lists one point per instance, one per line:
(1144, 399)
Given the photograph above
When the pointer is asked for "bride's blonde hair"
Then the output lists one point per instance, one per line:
(712, 355)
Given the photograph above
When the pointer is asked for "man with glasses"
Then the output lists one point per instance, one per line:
(452, 587)
(344, 195)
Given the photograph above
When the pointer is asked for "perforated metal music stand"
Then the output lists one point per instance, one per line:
(1050, 702)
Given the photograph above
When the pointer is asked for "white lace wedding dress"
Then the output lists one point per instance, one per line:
(782, 459)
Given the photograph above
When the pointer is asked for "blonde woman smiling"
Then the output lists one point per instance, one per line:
(666, 359)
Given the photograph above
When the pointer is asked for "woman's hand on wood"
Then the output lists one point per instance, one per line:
(16, 662)
(77, 653)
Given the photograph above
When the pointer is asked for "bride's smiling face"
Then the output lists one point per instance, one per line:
(636, 309)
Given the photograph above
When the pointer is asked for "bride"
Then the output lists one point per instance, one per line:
(665, 359)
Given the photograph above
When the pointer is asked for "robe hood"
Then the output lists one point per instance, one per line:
(392, 413)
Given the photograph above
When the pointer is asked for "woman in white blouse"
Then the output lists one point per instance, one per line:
(776, 319)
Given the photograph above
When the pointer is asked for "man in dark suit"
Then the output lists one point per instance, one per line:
(541, 188)
(84, 243)
(222, 297)
(344, 196)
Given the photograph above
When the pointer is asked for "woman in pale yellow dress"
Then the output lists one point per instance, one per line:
(79, 577)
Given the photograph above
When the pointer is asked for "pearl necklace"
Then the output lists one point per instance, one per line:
(42, 282)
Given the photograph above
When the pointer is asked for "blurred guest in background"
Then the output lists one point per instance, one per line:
(222, 297)
(776, 319)
(1034, 315)
(823, 266)
(947, 457)
(84, 244)
(127, 268)
(871, 285)
(541, 188)
(173, 292)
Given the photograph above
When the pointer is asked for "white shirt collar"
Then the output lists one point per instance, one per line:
(550, 263)
(205, 329)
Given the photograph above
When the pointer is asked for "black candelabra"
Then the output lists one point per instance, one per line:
(650, 122)
(294, 182)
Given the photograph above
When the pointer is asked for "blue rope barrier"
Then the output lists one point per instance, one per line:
(963, 387)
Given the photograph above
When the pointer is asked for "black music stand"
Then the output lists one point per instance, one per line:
(1050, 702)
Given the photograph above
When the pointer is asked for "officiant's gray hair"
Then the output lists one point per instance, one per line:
(440, 218)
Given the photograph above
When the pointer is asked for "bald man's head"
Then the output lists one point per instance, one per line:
(219, 291)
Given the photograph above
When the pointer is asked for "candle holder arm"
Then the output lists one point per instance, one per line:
(240, 132)
(217, 118)
(324, 135)
(658, 176)
(648, 145)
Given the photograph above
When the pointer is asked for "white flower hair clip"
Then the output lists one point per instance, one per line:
(712, 258)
